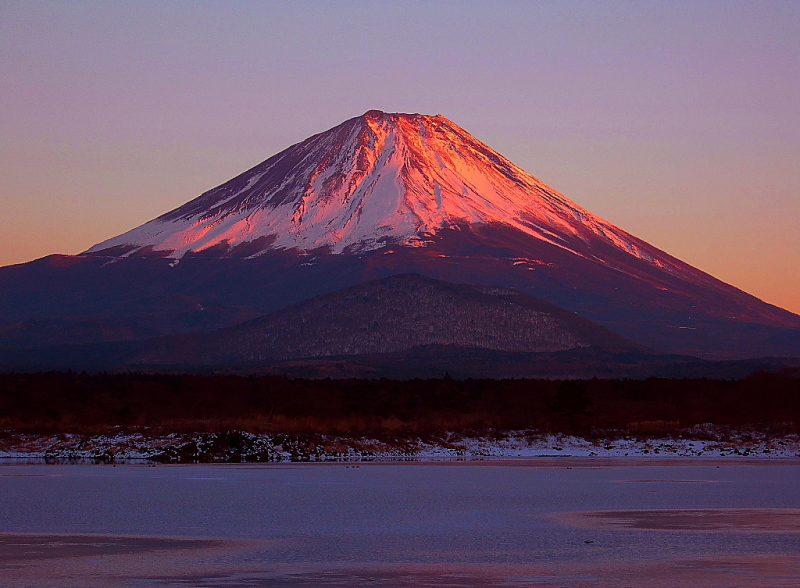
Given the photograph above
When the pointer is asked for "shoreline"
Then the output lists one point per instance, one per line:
(244, 447)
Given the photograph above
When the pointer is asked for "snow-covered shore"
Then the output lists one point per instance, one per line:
(239, 446)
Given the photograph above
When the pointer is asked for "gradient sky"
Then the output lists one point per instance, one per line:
(677, 121)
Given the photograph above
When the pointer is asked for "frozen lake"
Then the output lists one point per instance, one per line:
(514, 523)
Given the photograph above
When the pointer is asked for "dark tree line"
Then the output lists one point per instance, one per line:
(64, 402)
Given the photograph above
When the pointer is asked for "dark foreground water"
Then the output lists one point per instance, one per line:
(532, 523)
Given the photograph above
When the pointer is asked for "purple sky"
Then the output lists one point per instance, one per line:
(677, 121)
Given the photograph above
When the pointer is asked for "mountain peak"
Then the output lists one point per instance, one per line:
(375, 180)
(380, 114)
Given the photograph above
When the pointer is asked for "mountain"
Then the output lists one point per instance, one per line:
(386, 316)
(375, 180)
(379, 195)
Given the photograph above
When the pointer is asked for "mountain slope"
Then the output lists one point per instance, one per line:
(383, 179)
(385, 316)
(379, 195)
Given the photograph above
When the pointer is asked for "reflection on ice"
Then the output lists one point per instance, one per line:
(751, 520)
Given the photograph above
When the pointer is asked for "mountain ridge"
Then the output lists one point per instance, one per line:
(390, 315)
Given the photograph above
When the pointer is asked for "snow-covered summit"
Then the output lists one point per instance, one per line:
(375, 179)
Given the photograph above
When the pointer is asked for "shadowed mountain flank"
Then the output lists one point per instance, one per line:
(389, 315)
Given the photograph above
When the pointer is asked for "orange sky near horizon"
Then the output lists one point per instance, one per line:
(678, 122)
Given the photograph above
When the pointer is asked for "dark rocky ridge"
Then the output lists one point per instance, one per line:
(385, 316)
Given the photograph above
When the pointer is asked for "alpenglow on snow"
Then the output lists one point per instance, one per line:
(375, 179)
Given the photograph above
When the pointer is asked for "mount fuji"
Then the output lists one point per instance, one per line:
(374, 180)
(379, 195)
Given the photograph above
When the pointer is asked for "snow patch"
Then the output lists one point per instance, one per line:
(244, 446)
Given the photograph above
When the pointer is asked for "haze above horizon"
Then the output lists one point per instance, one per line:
(677, 122)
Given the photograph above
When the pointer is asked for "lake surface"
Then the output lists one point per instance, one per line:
(515, 523)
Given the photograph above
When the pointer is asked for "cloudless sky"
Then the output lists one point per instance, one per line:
(677, 121)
